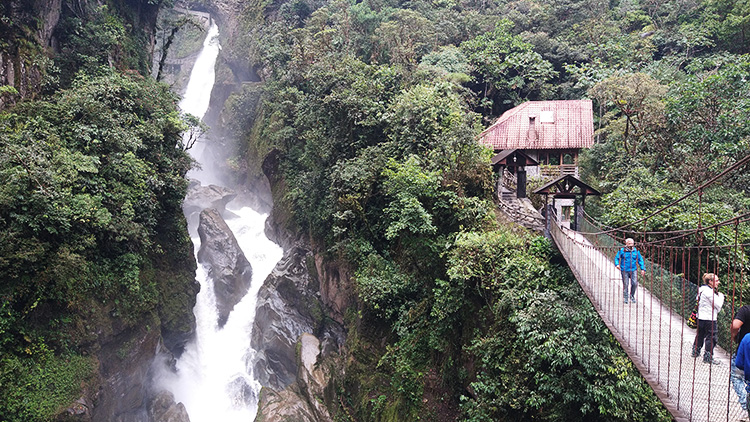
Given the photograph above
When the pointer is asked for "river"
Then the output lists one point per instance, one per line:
(213, 379)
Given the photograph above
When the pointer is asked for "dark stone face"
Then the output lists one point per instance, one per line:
(227, 265)
(289, 305)
(200, 197)
(241, 392)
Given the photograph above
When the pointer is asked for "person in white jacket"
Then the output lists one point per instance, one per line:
(710, 301)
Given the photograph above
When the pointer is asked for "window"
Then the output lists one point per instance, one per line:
(568, 158)
(554, 159)
(547, 116)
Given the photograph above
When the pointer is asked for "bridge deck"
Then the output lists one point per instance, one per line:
(656, 339)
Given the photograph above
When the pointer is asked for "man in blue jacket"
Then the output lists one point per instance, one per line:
(740, 329)
(628, 260)
(742, 362)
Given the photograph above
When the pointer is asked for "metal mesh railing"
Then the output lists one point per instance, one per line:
(652, 331)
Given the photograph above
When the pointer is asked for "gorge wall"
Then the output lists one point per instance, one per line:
(302, 304)
(123, 349)
(30, 30)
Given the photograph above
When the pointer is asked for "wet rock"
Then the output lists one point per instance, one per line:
(283, 406)
(199, 198)
(79, 411)
(288, 306)
(227, 265)
(241, 392)
(285, 309)
(313, 378)
(162, 408)
(336, 289)
(313, 392)
(124, 364)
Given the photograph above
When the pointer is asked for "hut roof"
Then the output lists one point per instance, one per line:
(560, 124)
(566, 185)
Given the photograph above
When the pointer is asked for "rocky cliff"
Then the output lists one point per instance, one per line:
(298, 332)
(226, 264)
(26, 29)
(31, 32)
(300, 348)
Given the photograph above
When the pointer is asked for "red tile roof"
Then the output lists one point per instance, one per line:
(563, 124)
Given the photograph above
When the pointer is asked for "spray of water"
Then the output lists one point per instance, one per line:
(213, 379)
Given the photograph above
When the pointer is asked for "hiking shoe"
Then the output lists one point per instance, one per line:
(711, 361)
(695, 354)
(632, 299)
(625, 300)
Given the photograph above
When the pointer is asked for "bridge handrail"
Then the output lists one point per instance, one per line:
(674, 290)
(651, 332)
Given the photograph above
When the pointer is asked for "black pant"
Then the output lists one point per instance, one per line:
(707, 332)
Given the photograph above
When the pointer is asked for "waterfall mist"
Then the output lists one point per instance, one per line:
(213, 378)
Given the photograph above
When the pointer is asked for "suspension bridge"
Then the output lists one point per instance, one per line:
(652, 331)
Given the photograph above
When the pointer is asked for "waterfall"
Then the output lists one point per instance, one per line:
(212, 378)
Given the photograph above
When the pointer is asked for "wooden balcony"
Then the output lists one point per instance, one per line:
(548, 171)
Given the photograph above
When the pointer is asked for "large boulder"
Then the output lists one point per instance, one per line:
(226, 264)
(162, 408)
(199, 198)
(288, 306)
(313, 394)
(287, 405)
(317, 370)
(124, 363)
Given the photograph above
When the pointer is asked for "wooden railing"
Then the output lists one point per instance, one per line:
(557, 171)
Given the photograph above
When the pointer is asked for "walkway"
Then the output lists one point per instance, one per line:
(656, 339)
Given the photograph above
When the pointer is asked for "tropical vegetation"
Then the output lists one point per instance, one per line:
(367, 122)
(91, 186)
(372, 110)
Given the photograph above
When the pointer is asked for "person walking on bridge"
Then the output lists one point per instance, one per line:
(710, 301)
(628, 260)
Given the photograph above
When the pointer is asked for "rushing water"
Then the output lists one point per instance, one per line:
(213, 379)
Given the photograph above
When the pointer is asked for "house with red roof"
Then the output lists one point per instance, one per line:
(550, 132)
(539, 139)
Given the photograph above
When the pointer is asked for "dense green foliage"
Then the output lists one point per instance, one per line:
(84, 191)
(541, 336)
(91, 186)
(371, 112)
(663, 135)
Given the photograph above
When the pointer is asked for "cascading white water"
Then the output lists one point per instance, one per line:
(197, 95)
(212, 378)
(202, 77)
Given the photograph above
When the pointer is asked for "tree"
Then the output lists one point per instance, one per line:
(175, 26)
(88, 180)
(634, 109)
(707, 115)
(731, 20)
(405, 37)
(506, 67)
